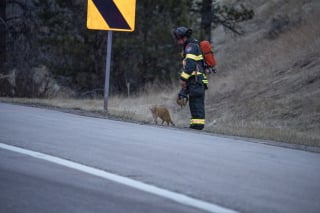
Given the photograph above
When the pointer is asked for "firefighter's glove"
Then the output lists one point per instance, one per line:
(182, 94)
(182, 98)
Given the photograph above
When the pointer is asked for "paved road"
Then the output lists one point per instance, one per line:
(32, 185)
(235, 174)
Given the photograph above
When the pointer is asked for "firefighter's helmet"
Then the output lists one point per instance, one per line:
(181, 32)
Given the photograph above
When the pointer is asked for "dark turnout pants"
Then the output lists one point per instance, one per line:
(196, 104)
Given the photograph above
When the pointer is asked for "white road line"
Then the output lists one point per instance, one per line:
(180, 198)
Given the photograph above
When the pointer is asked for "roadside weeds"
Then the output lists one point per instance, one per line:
(94, 108)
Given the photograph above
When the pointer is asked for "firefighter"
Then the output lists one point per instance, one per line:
(193, 81)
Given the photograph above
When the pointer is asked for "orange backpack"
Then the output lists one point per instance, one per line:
(208, 55)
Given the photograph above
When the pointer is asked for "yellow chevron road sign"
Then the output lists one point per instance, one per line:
(114, 15)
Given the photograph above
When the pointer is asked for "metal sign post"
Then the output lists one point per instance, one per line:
(112, 16)
(108, 65)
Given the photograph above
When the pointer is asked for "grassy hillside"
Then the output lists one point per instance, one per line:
(267, 85)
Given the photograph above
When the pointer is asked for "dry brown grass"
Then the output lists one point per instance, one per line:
(270, 89)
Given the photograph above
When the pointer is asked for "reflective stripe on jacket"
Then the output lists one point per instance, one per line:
(185, 76)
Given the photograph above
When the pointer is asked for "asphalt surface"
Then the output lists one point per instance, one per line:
(232, 173)
(32, 185)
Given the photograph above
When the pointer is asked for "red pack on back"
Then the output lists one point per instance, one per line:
(208, 53)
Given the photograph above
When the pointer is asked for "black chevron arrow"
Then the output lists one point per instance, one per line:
(111, 14)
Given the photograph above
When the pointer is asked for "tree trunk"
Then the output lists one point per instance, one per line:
(2, 34)
(206, 20)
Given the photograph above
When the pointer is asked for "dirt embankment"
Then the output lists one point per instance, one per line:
(268, 81)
